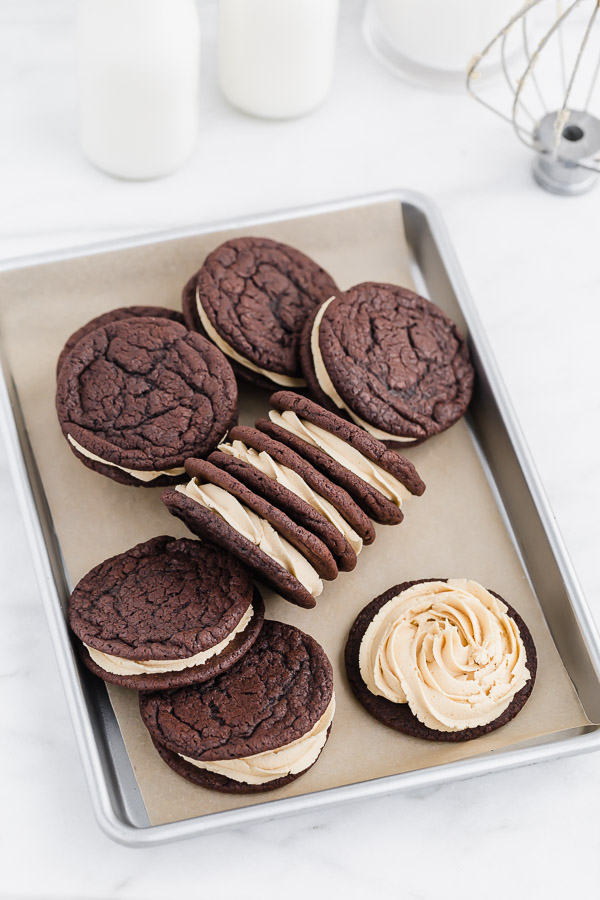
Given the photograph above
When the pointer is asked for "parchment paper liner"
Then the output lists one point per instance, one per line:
(454, 530)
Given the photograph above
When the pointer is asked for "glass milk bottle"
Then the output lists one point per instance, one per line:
(276, 57)
(138, 66)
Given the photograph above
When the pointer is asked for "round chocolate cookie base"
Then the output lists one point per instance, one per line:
(192, 320)
(215, 782)
(161, 681)
(398, 715)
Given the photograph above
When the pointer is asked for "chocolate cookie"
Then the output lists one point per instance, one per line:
(279, 694)
(114, 315)
(399, 715)
(282, 553)
(252, 297)
(137, 396)
(144, 615)
(383, 474)
(389, 359)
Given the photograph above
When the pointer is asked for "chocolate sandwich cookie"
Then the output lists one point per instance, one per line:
(290, 483)
(254, 728)
(252, 297)
(137, 396)
(376, 478)
(220, 509)
(164, 614)
(114, 315)
(390, 360)
(443, 660)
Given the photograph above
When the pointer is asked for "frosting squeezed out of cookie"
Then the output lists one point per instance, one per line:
(449, 650)
(343, 453)
(231, 352)
(328, 388)
(118, 665)
(255, 529)
(290, 759)
(293, 482)
(137, 473)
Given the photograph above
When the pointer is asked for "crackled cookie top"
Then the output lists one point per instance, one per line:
(390, 359)
(144, 394)
(273, 696)
(253, 297)
(114, 315)
(164, 599)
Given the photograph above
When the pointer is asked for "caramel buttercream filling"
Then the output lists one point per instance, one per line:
(448, 649)
(291, 759)
(118, 665)
(232, 353)
(328, 388)
(343, 453)
(255, 529)
(291, 480)
(137, 473)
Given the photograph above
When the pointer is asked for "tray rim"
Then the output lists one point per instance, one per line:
(96, 778)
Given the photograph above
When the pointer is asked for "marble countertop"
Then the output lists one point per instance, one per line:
(531, 261)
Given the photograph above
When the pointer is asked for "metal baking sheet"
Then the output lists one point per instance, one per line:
(113, 786)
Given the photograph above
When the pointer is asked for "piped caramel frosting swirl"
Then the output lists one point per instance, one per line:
(449, 650)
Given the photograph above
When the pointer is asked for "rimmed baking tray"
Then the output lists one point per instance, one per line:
(490, 450)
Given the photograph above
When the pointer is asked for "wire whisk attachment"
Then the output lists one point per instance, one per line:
(549, 54)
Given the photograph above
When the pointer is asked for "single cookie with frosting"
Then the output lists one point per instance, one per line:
(378, 479)
(256, 727)
(252, 297)
(444, 660)
(390, 360)
(165, 613)
(220, 509)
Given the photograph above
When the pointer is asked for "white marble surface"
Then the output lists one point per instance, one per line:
(531, 261)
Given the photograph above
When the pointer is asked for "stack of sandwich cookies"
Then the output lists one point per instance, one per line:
(274, 471)
(114, 315)
(390, 360)
(164, 614)
(220, 509)
(443, 660)
(137, 396)
(254, 728)
(376, 478)
(251, 298)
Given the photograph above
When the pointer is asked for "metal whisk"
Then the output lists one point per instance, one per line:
(550, 59)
